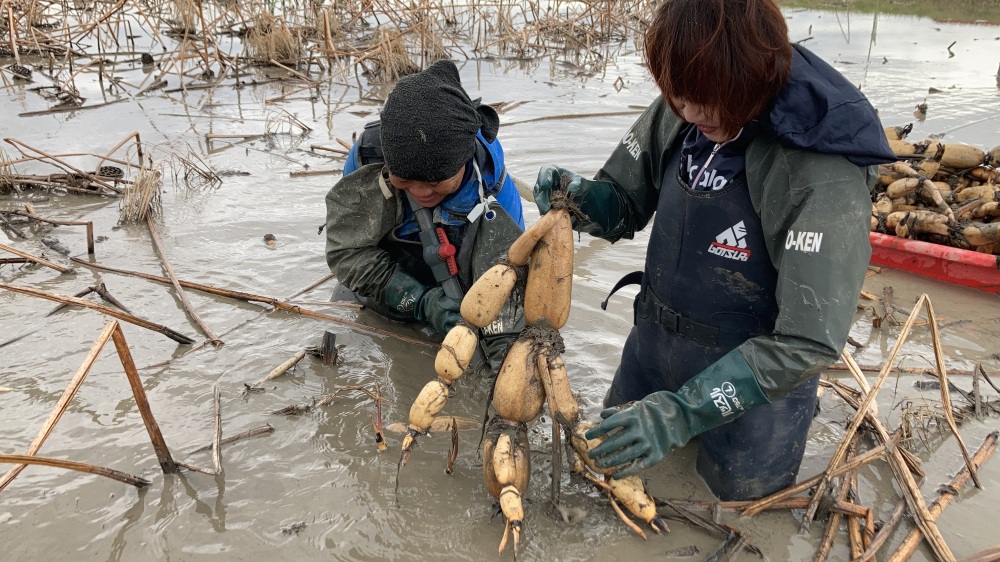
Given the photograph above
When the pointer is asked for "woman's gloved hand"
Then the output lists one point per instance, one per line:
(641, 434)
(599, 200)
(438, 309)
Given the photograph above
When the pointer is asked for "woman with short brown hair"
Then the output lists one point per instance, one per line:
(709, 53)
(757, 161)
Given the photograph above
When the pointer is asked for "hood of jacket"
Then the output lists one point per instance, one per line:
(820, 111)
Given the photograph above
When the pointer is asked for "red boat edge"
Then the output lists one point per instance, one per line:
(953, 265)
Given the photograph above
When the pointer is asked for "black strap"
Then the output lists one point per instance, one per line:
(689, 329)
(702, 334)
(634, 278)
(370, 145)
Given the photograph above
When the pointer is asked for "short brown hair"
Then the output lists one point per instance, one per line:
(732, 56)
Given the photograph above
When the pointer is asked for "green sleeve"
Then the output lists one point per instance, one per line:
(636, 167)
(815, 212)
(358, 216)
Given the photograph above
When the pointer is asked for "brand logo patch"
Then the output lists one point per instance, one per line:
(724, 398)
(803, 241)
(406, 303)
(712, 179)
(731, 243)
(721, 401)
(631, 143)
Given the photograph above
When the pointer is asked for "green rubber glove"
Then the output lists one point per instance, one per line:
(406, 295)
(439, 310)
(402, 293)
(599, 200)
(642, 433)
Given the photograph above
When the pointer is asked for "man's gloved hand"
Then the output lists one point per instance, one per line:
(641, 434)
(406, 295)
(438, 309)
(599, 200)
(402, 293)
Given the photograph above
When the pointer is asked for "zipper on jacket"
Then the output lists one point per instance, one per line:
(715, 150)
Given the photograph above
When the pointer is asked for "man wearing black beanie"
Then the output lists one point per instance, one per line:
(433, 148)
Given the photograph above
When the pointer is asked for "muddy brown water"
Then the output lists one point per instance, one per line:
(317, 488)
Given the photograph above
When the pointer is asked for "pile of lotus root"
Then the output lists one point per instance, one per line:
(945, 193)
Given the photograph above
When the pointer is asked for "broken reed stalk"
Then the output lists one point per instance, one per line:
(167, 464)
(217, 442)
(756, 506)
(244, 322)
(293, 72)
(276, 303)
(266, 429)
(337, 151)
(945, 495)
(833, 524)
(852, 398)
(102, 291)
(730, 548)
(854, 523)
(311, 173)
(35, 259)
(945, 394)
(859, 377)
(978, 404)
(798, 502)
(181, 294)
(903, 476)
(453, 451)
(44, 155)
(143, 204)
(89, 225)
(23, 460)
(8, 227)
(328, 399)
(69, 109)
(56, 181)
(335, 304)
(287, 95)
(377, 421)
(575, 116)
(884, 533)
(195, 468)
(710, 526)
(11, 35)
(63, 403)
(138, 148)
(113, 332)
(176, 336)
(281, 369)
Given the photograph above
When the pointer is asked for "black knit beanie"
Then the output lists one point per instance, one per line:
(429, 124)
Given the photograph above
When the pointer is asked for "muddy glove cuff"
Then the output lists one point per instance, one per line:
(438, 309)
(598, 200)
(642, 433)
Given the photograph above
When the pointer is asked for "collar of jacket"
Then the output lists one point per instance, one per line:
(455, 209)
